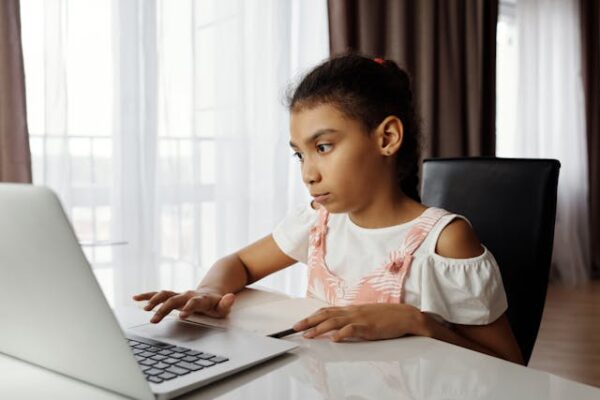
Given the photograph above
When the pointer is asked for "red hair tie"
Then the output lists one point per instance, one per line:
(379, 60)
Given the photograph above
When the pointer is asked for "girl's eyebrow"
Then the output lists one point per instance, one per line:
(315, 136)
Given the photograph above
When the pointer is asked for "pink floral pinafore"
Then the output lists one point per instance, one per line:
(383, 285)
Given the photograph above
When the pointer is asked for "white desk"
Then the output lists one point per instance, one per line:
(406, 368)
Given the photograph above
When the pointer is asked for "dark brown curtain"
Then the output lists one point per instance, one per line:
(449, 49)
(590, 25)
(15, 159)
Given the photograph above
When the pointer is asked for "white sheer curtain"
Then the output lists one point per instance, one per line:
(161, 125)
(550, 120)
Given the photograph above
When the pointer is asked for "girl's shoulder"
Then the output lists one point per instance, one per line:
(451, 236)
(457, 239)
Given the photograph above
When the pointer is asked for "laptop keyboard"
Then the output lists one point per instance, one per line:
(162, 362)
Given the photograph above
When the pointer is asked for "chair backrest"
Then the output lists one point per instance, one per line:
(511, 204)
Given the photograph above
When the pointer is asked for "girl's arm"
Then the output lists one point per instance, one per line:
(252, 263)
(458, 240)
(495, 339)
(214, 295)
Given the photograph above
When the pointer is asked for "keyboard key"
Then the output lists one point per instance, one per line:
(219, 359)
(166, 376)
(154, 349)
(141, 346)
(148, 362)
(180, 349)
(190, 366)
(189, 359)
(158, 357)
(137, 351)
(146, 354)
(177, 355)
(153, 371)
(154, 379)
(206, 356)
(205, 363)
(170, 360)
(176, 370)
(165, 352)
(161, 365)
(193, 353)
(139, 358)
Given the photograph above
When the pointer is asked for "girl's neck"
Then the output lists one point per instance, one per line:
(383, 211)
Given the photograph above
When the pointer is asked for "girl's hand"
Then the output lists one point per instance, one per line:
(366, 321)
(203, 301)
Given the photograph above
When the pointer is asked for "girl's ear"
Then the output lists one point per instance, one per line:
(390, 134)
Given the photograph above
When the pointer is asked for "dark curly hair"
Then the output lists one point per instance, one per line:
(367, 90)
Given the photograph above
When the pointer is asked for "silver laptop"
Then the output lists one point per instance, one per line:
(54, 314)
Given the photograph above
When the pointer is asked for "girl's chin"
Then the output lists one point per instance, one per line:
(333, 208)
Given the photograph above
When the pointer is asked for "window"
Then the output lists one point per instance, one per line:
(72, 56)
(506, 77)
(70, 115)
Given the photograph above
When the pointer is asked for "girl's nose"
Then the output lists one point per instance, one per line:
(310, 174)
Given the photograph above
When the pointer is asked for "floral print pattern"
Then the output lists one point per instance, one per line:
(384, 285)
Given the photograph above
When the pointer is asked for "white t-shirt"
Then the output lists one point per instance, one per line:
(462, 291)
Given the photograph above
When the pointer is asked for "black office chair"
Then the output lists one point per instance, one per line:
(511, 204)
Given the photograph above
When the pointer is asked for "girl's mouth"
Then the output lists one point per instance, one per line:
(321, 198)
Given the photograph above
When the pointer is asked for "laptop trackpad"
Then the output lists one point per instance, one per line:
(176, 331)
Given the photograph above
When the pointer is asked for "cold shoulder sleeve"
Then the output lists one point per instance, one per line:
(291, 234)
(463, 291)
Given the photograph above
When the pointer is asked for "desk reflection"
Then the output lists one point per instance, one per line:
(406, 368)
(397, 370)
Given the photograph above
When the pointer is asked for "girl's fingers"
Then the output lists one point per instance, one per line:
(348, 331)
(200, 304)
(316, 318)
(144, 296)
(326, 326)
(172, 303)
(224, 305)
(206, 305)
(158, 298)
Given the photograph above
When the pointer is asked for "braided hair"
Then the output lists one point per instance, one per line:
(367, 90)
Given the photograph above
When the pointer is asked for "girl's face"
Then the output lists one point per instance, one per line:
(341, 163)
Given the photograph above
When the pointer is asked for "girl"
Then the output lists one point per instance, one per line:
(388, 265)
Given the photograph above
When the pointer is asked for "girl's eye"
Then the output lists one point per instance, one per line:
(298, 156)
(324, 148)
